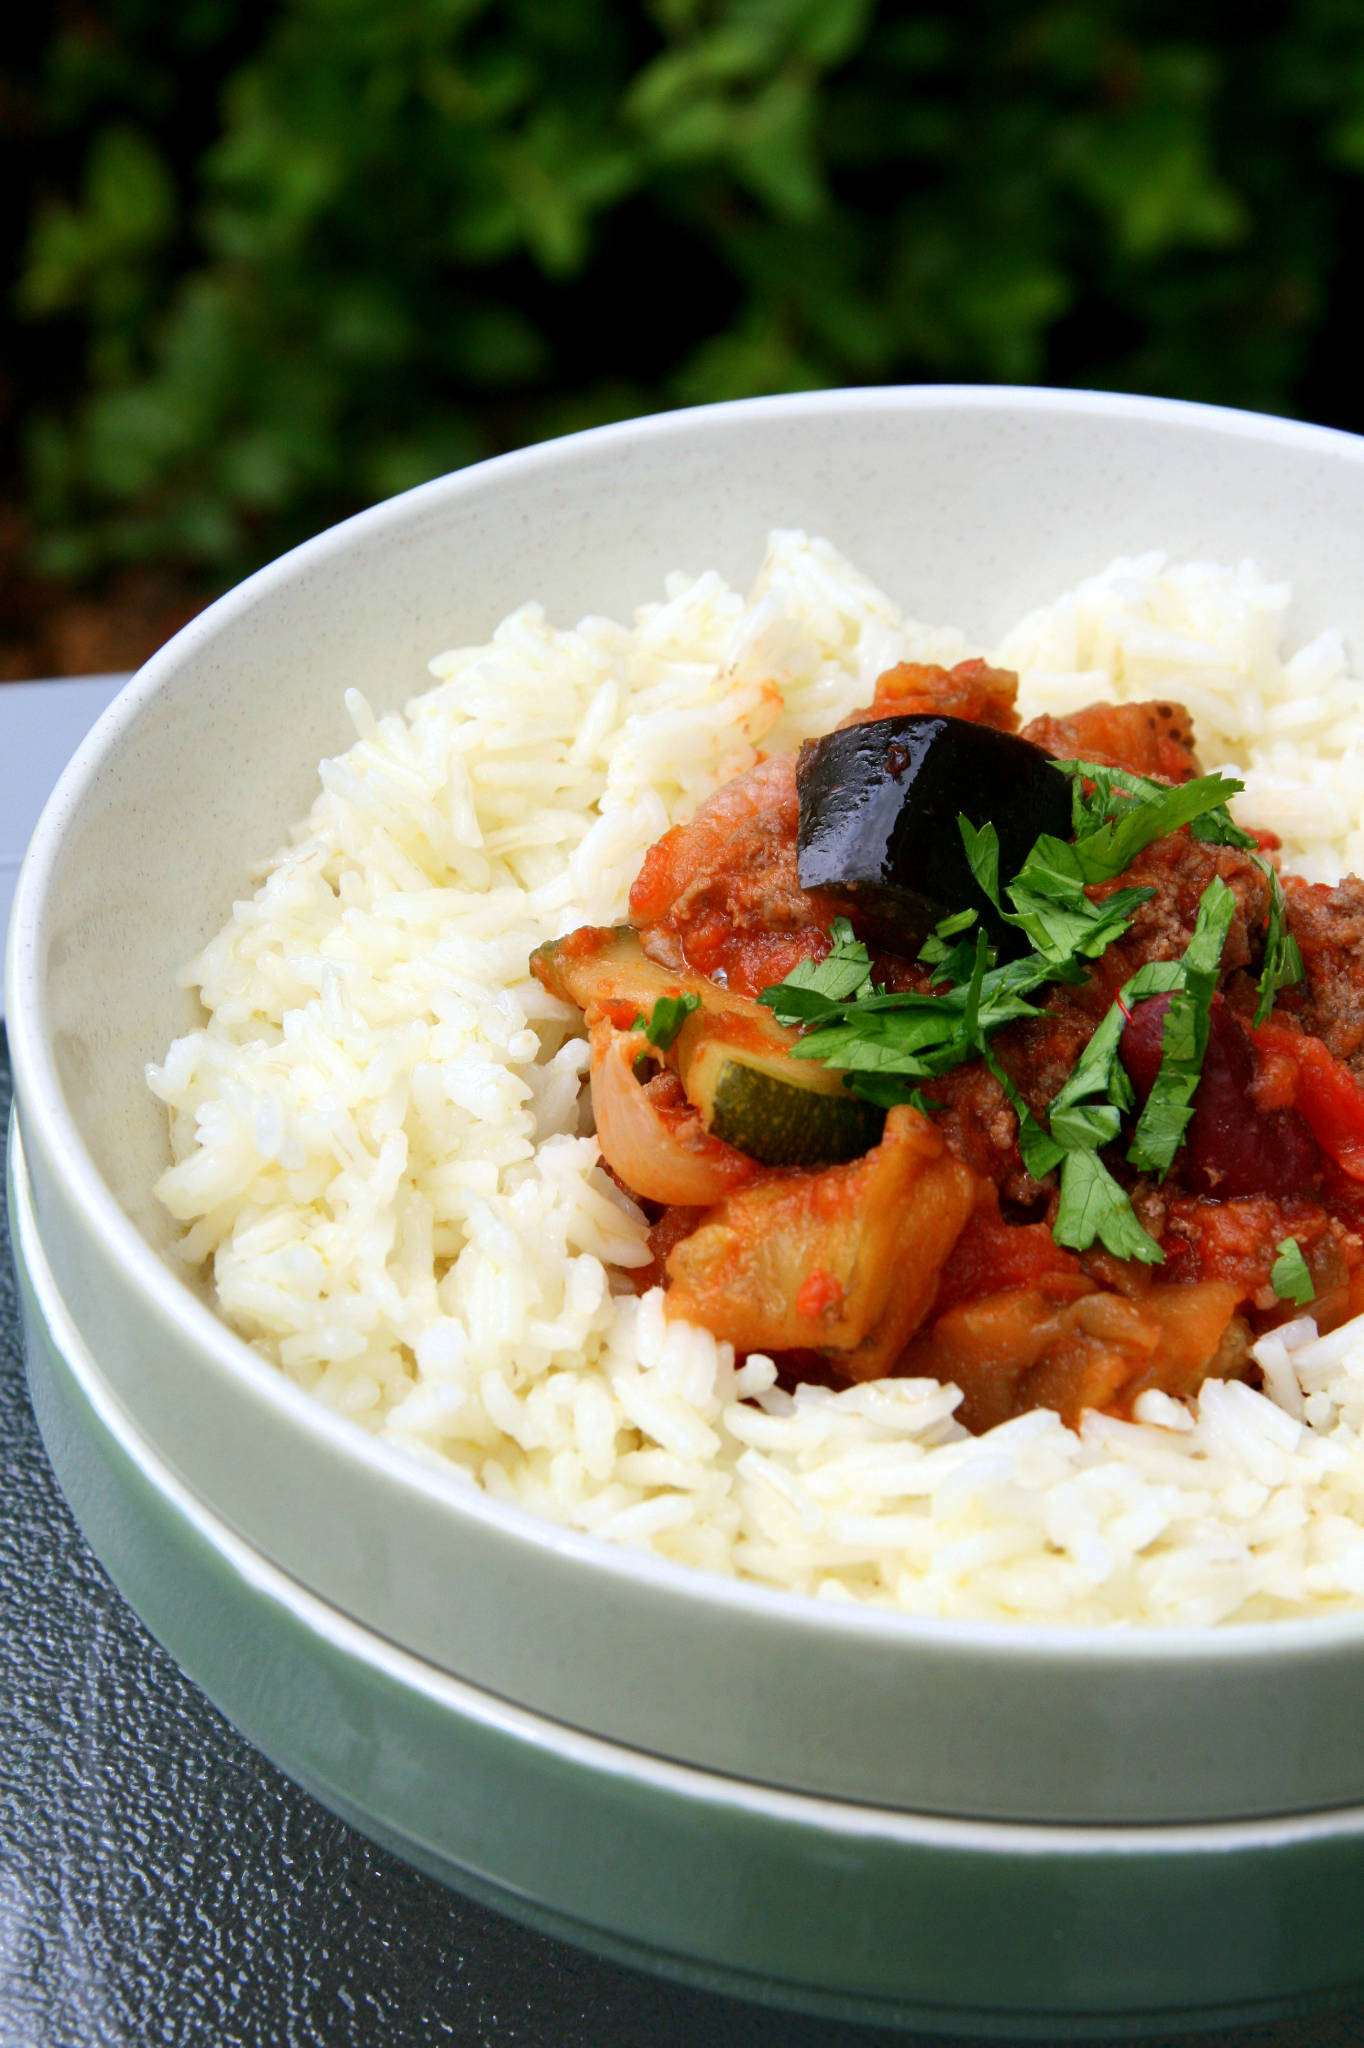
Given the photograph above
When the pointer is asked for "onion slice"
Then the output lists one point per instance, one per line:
(664, 1155)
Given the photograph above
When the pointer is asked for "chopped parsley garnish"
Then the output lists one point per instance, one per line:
(1086, 1114)
(1289, 1276)
(886, 1044)
(1283, 962)
(666, 1019)
(1048, 895)
(1184, 1041)
(842, 974)
(1093, 1205)
(1212, 823)
(1114, 821)
(1152, 809)
(1083, 1117)
(949, 963)
(1091, 1202)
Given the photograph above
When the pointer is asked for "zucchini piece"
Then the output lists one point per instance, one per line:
(604, 967)
(879, 804)
(733, 1057)
(780, 1111)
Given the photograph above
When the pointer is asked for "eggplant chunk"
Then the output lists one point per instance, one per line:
(844, 1262)
(879, 804)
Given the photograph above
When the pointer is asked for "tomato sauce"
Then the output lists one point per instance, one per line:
(1273, 1148)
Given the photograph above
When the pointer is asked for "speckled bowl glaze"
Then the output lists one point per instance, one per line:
(847, 1910)
(968, 504)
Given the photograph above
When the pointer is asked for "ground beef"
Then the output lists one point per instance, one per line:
(1237, 1240)
(1039, 1054)
(1179, 868)
(1328, 924)
(975, 1116)
(721, 893)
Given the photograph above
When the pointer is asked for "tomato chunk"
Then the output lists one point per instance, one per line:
(1327, 1094)
(992, 1255)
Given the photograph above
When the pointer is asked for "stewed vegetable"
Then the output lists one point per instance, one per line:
(944, 1049)
(879, 804)
(733, 1059)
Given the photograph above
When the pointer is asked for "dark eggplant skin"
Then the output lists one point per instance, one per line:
(879, 804)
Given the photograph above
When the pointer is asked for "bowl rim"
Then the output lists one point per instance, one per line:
(41, 1100)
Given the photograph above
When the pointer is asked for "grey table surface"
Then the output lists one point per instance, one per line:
(161, 1883)
(41, 725)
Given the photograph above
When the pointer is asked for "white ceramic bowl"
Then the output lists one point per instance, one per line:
(971, 505)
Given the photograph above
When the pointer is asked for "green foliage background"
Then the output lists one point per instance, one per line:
(274, 261)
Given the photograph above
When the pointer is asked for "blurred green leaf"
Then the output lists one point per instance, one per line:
(495, 345)
(275, 257)
(400, 464)
(774, 150)
(1149, 170)
(754, 356)
(127, 211)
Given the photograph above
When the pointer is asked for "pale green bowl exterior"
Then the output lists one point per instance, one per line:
(969, 505)
(845, 1910)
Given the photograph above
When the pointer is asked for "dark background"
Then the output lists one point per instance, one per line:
(274, 259)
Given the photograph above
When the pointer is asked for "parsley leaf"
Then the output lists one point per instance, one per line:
(889, 1090)
(1289, 1276)
(982, 855)
(1283, 961)
(1156, 978)
(917, 1034)
(816, 988)
(970, 1005)
(1099, 1071)
(1093, 1205)
(1217, 828)
(1048, 895)
(1085, 1126)
(1184, 1041)
(1085, 1115)
(1071, 927)
(950, 962)
(1103, 807)
(1040, 1153)
(1115, 844)
(1089, 811)
(947, 928)
(1126, 813)
(668, 1016)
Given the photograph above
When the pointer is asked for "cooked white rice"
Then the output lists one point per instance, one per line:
(380, 1148)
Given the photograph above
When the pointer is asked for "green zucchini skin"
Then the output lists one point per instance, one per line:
(781, 1123)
